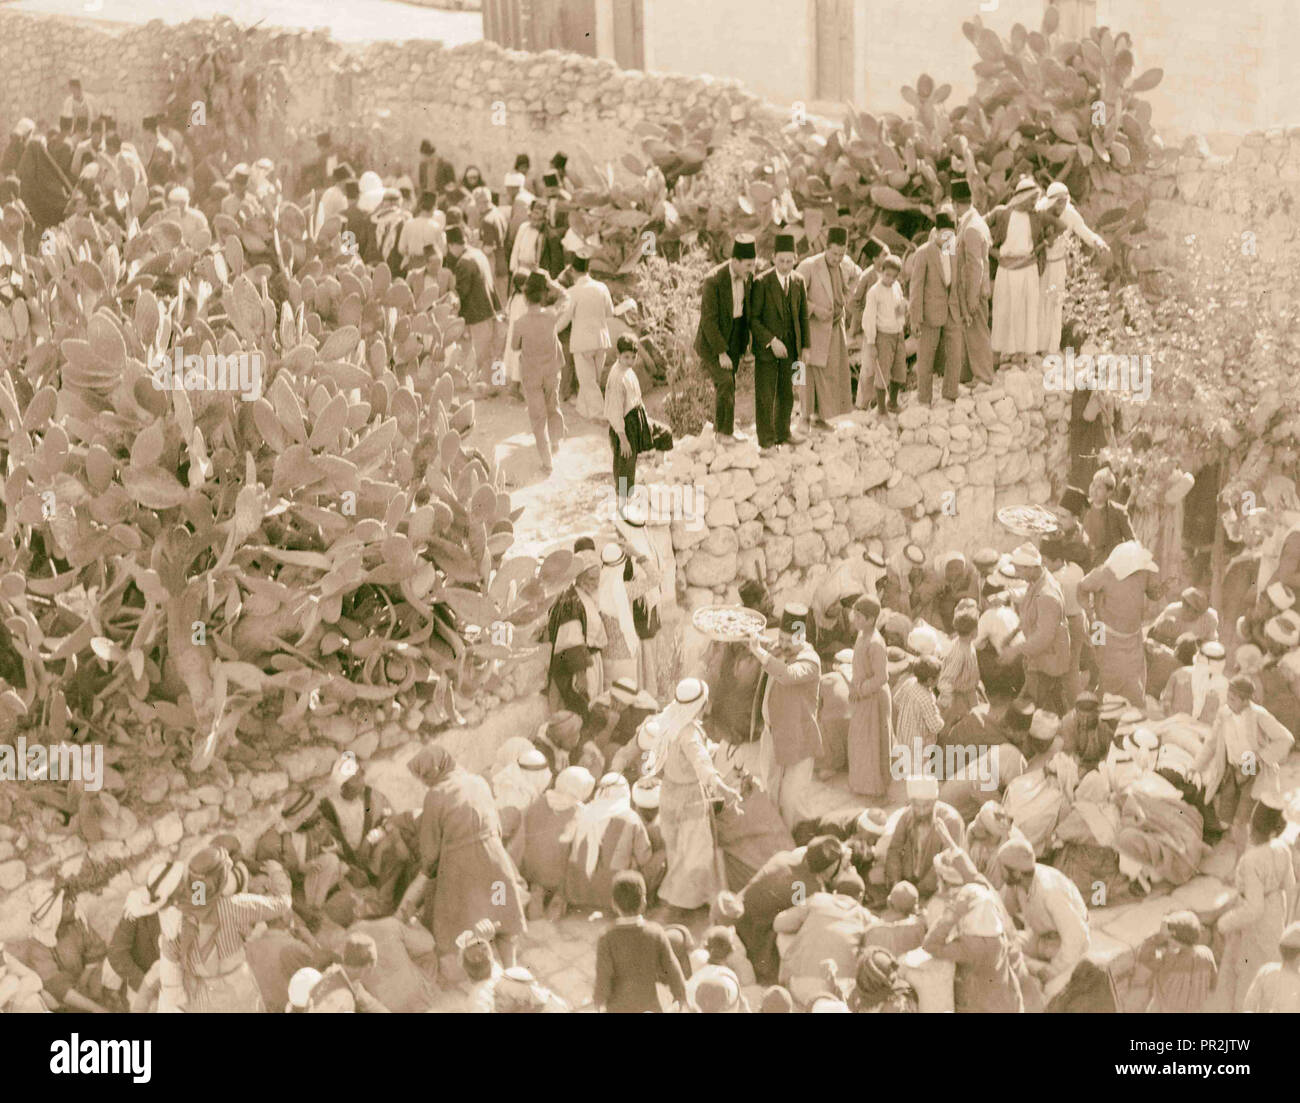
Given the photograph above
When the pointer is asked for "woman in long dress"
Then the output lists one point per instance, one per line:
(680, 754)
(462, 853)
(870, 734)
(203, 966)
(1253, 927)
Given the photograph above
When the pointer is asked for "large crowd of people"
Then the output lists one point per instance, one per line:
(1025, 736)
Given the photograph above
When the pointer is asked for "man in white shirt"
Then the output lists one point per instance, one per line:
(420, 231)
(332, 200)
(78, 105)
(192, 222)
(590, 308)
(527, 251)
(518, 202)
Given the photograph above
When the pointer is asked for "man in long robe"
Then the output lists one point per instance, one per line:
(1119, 589)
(791, 738)
(926, 828)
(830, 278)
(1046, 645)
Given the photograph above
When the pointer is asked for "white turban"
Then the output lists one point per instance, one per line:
(922, 788)
(1128, 557)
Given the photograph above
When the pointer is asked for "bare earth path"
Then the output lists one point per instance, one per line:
(346, 20)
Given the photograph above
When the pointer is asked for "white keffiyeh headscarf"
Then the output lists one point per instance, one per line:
(661, 731)
(611, 595)
(613, 797)
(1128, 557)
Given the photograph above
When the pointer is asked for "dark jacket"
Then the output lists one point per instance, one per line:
(478, 301)
(358, 223)
(930, 300)
(903, 859)
(775, 314)
(134, 948)
(630, 959)
(718, 331)
(435, 174)
(376, 813)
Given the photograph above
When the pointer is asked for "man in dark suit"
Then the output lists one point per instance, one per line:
(779, 307)
(434, 173)
(357, 223)
(972, 289)
(723, 335)
(932, 310)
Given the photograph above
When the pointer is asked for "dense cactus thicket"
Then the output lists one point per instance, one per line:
(172, 561)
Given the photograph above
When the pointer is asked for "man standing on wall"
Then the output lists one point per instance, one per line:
(973, 343)
(933, 310)
(723, 334)
(830, 278)
(780, 322)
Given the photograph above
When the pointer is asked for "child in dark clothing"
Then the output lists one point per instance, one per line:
(633, 955)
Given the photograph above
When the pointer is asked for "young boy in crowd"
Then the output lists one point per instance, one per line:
(901, 928)
(883, 355)
(540, 359)
(722, 948)
(634, 955)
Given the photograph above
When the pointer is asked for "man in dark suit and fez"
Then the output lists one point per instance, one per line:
(723, 334)
(779, 320)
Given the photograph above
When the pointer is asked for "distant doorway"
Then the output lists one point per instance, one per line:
(833, 61)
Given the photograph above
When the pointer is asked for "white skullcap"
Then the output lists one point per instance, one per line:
(301, 984)
(922, 788)
(576, 782)
(645, 793)
(1027, 556)
(923, 640)
(178, 194)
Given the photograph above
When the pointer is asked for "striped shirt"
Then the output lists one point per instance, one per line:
(217, 953)
(919, 719)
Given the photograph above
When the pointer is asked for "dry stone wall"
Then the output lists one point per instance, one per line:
(1229, 187)
(934, 476)
(479, 102)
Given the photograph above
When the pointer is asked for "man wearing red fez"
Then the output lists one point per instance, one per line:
(780, 323)
(791, 737)
(830, 278)
(723, 334)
